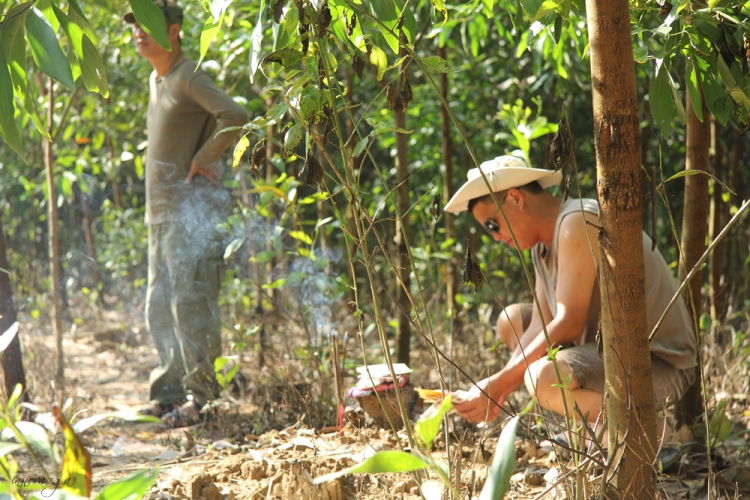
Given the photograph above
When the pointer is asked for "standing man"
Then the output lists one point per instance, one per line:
(183, 204)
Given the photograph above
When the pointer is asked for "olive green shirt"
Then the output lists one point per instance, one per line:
(185, 110)
(674, 342)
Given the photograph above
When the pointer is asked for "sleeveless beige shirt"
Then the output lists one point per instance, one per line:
(674, 342)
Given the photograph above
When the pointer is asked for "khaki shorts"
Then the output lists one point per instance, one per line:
(670, 383)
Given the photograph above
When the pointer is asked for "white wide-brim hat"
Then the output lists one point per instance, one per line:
(504, 172)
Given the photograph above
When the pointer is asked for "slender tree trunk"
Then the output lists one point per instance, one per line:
(715, 224)
(270, 173)
(89, 237)
(54, 244)
(322, 214)
(448, 189)
(12, 360)
(403, 333)
(631, 402)
(734, 249)
(693, 242)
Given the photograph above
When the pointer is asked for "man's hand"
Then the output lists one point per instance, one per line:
(196, 169)
(476, 407)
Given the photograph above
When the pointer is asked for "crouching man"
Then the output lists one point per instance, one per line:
(564, 249)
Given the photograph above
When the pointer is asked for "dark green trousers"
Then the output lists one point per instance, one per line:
(185, 268)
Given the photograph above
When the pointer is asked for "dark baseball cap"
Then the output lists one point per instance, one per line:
(172, 12)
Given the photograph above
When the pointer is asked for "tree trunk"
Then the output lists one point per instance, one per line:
(270, 172)
(693, 242)
(715, 224)
(12, 360)
(54, 244)
(734, 249)
(89, 237)
(116, 194)
(403, 304)
(631, 402)
(448, 190)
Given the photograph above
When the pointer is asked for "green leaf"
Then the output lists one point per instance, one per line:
(78, 17)
(239, 151)
(435, 63)
(301, 236)
(128, 416)
(286, 57)
(263, 257)
(46, 51)
(410, 24)
(717, 100)
(36, 436)
(720, 426)
(92, 67)
(361, 146)
(660, 98)
(233, 247)
(292, 138)
(15, 395)
(691, 79)
(379, 59)
(440, 6)
(256, 39)
(683, 173)
(677, 101)
(428, 428)
(276, 284)
(208, 35)
(45, 7)
(498, 480)
(640, 54)
(152, 20)
(8, 128)
(384, 461)
(133, 486)
(387, 15)
(488, 5)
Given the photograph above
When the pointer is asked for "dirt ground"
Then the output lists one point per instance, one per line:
(235, 456)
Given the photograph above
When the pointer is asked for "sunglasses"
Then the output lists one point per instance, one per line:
(490, 225)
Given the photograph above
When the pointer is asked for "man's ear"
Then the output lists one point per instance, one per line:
(516, 197)
(174, 30)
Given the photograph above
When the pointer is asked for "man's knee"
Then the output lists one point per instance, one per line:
(540, 378)
(510, 325)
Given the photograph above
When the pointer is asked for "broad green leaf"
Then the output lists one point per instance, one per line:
(239, 150)
(256, 39)
(640, 54)
(208, 35)
(45, 7)
(301, 236)
(498, 480)
(276, 284)
(36, 436)
(720, 426)
(128, 416)
(286, 57)
(222, 361)
(384, 461)
(12, 38)
(387, 15)
(46, 51)
(152, 20)
(78, 17)
(435, 63)
(92, 67)
(677, 101)
(361, 146)
(691, 79)
(729, 81)
(488, 5)
(76, 467)
(276, 113)
(660, 99)
(716, 97)
(8, 128)
(133, 486)
(233, 247)
(292, 138)
(379, 59)
(263, 257)
(285, 32)
(428, 428)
